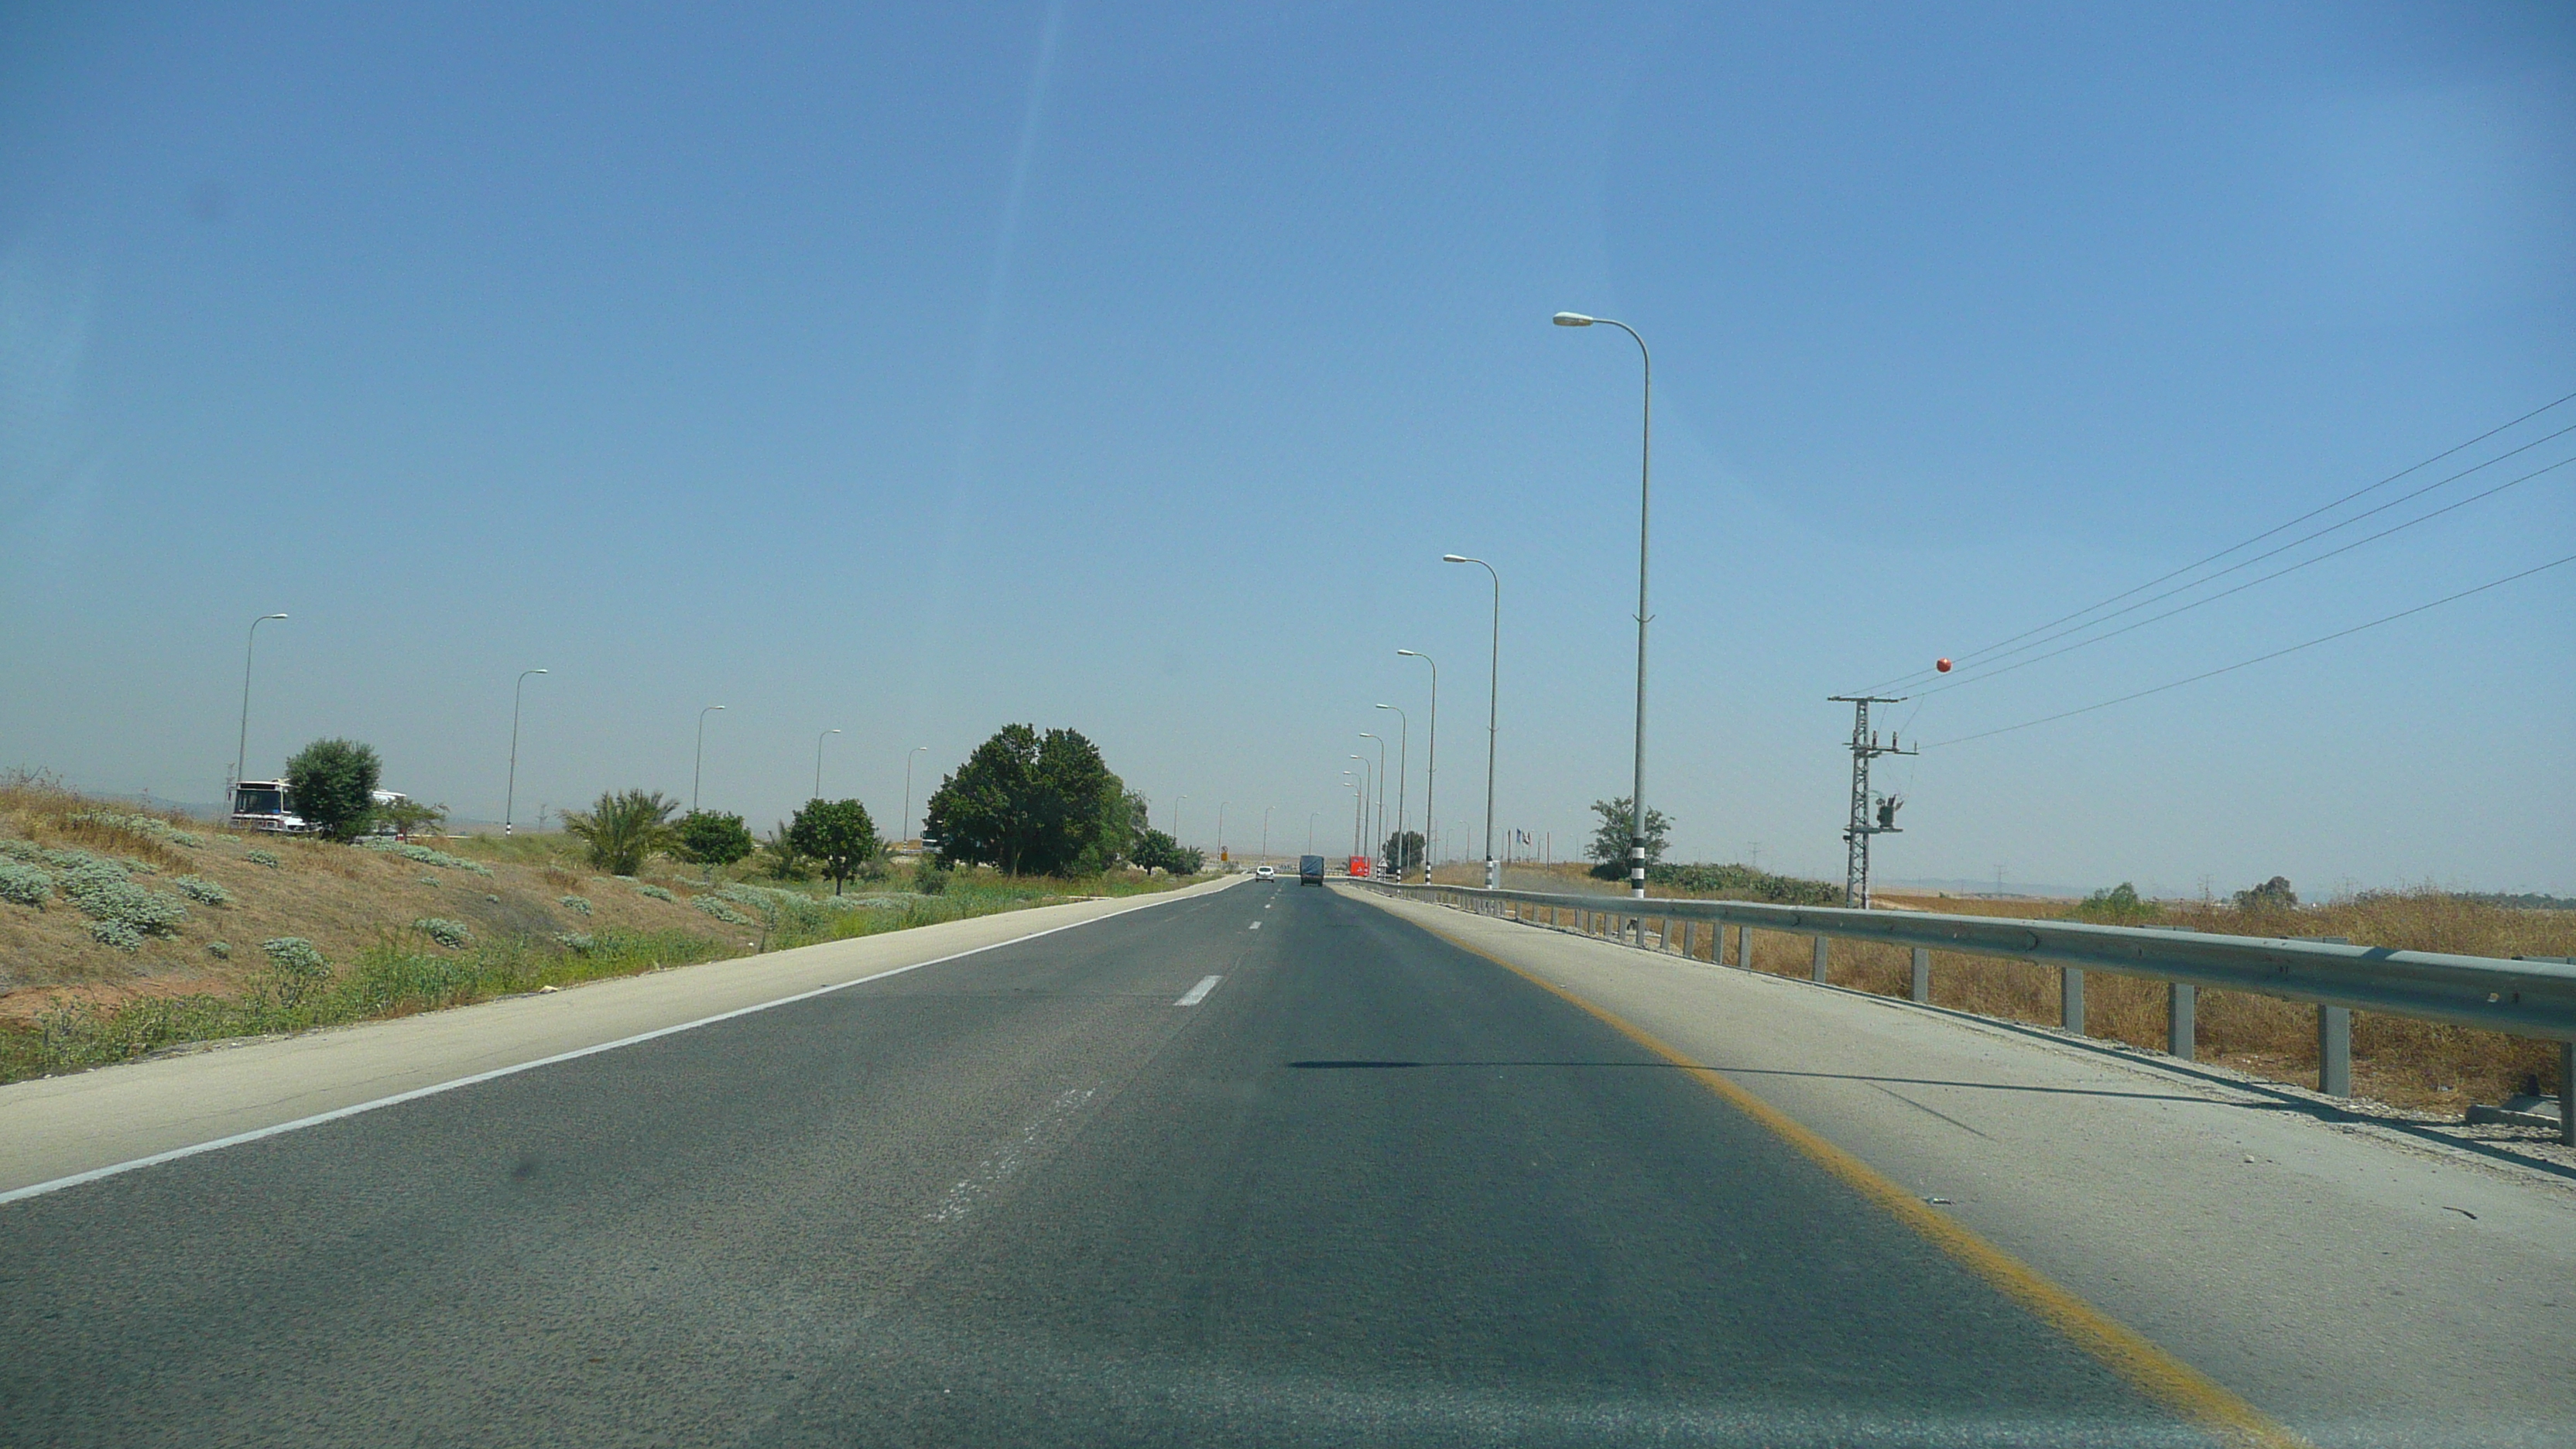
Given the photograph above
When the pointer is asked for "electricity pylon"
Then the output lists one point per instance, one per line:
(1864, 821)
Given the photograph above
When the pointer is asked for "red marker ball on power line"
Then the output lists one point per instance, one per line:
(1942, 664)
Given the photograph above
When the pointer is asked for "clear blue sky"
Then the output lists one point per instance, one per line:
(913, 370)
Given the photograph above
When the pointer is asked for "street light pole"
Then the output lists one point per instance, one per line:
(1220, 828)
(1176, 817)
(1360, 835)
(902, 824)
(1311, 817)
(1645, 494)
(699, 768)
(241, 747)
(510, 792)
(1359, 810)
(818, 762)
(1380, 813)
(1493, 699)
(1403, 774)
(1265, 830)
(1430, 765)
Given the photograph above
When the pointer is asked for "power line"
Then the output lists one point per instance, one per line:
(2260, 658)
(2249, 583)
(1980, 653)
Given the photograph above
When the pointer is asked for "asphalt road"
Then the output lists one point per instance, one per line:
(1369, 1188)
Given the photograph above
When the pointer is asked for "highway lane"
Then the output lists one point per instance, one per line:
(1368, 1188)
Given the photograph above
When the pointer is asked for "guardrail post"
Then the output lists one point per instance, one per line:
(2567, 1092)
(1744, 947)
(1822, 949)
(2070, 998)
(1922, 993)
(1690, 940)
(2179, 1033)
(2334, 1050)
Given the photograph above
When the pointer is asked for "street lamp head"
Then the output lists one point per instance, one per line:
(536, 671)
(1406, 654)
(1572, 319)
(831, 732)
(1455, 558)
(266, 617)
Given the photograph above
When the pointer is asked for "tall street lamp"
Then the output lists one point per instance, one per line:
(906, 823)
(1265, 830)
(1430, 765)
(818, 762)
(241, 747)
(1359, 810)
(1403, 773)
(1379, 814)
(1311, 817)
(1493, 698)
(1645, 493)
(1367, 794)
(1220, 828)
(1177, 801)
(510, 792)
(699, 768)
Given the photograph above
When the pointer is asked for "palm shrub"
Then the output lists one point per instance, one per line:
(623, 828)
(333, 785)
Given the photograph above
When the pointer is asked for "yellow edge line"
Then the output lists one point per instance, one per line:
(2154, 1372)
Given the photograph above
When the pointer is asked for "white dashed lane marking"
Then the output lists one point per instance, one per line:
(1199, 992)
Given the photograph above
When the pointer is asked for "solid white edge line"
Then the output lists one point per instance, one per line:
(174, 1154)
(1199, 992)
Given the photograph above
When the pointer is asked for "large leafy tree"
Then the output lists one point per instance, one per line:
(1609, 843)
(333, 785)
(1405, 849)
(839, 836)
(1032, 804)
(623, 829)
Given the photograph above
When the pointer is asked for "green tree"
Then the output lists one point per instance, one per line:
(710, 839)
(1405, 849)
(1031, 804)
(333, 785)
(2272, 895)
(623, 829)
(839, 834)
(1153, 850)
(2120, 903)
(409, 817)
(1609, 844)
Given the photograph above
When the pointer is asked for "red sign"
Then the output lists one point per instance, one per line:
(1359, 867)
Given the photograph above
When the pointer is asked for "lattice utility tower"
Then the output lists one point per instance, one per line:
(1864, 822)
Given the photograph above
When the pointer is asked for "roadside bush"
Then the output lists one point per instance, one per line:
(575, 904)
(264, 857)
(623, 828)
(424, 855)
(198, 888)
(930, 878)
(451, 934)
(220, 950)
(577, 942)
(656, 892)
(781, 858)
(121, 913)
(25, 885)
(333, 784)
(299, 967)
(704, 837)
(2120, 903)
(722, 912)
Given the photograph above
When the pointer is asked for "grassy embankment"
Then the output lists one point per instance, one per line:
(2397, 1060)
(125, 931)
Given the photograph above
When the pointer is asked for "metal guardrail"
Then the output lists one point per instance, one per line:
(2518, 998)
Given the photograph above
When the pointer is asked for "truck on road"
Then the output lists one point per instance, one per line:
(1310, 870)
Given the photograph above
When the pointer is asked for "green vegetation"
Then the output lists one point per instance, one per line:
(451, 934)
(1032, 804)
(659, 893)
(333, 784)
(782, 859)
(411, 817)
(263, 857)
(1153, 850)
(1405, 849)
(198, 888)
(426, 856)
(1609, 843)
(1740, 882)
(575, 904)
(704, 837)
(25, 885)
(2272, 895)
(623, 829)
(839, 835)
(2118, 905)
